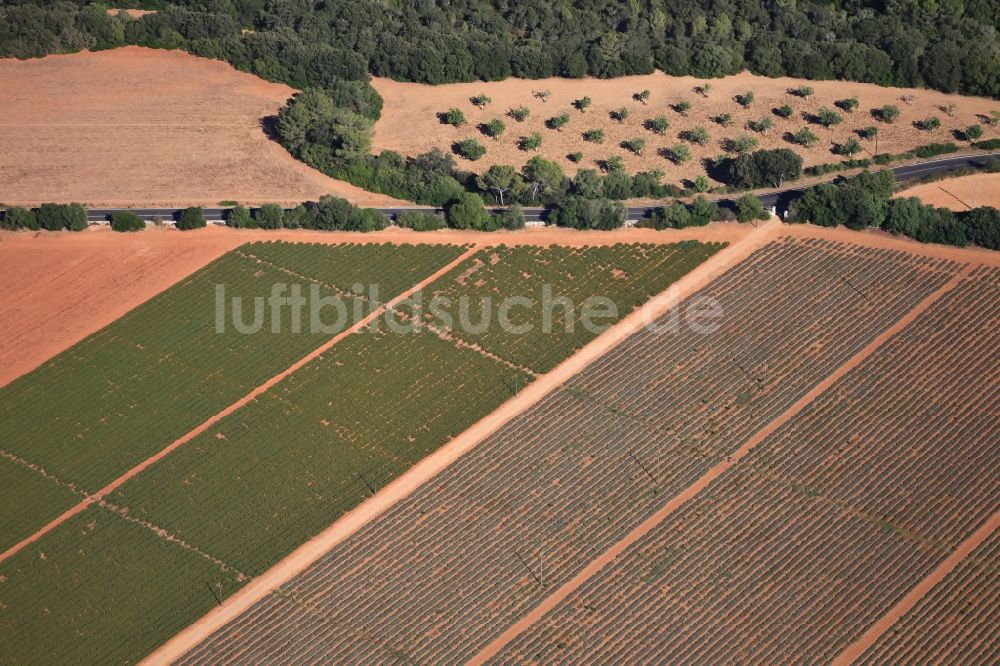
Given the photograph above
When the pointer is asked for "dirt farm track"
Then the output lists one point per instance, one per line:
(134, 125)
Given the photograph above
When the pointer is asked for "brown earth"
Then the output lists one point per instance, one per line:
(409, 122)
(133, 13)
(962, 193)
(135, 126)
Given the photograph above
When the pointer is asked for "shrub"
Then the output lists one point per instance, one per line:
(868, 133)
(419, 221)
(269, 216)
(973, 133)
(678, 153)
(19, 218)
(698, 135)
(533, 142)
(761, 126)
(53, 217)
(634, 145)
(750, 208)
(849, 147)
(802, 91)
(123, 220)
(658, 125)
(642, 96)
(453, 117)
(469, 212)
(580, 213)
(888, 113)
(746, 99)
(575, 157)
(989, 144)
(558, 122)
(621, 115)
(724, 119)
(594, 136)
(935, 149)
(681, 107)
(744, 143)
(928, 124)
(805, 137)
(511, 218)
(470, 149)
(191, 218)
(480, 100)
(519, 114)
(784, 111)
(849, 104)
(494, 128)
(581, 104)
(828, 117)
(238, 217)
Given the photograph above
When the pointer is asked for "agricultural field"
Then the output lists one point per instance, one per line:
(274, 472)
(623, 275)
(143, 127)
(958, 194)
(129, 390)
(956, 623)
(410, 123)
(797, 549)
(465, 556)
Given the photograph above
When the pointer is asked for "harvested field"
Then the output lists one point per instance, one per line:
(962, 193)
(410, 125)
(466, 555)
(259, 482)
(129, 390)
(956, 623)
(134, 126)
(801, 546)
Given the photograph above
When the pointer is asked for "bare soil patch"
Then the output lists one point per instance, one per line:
(962, 193)
(135, 126)
(133, 13)
(410, 125)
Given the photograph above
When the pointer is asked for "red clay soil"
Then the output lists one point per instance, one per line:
(877, 630)
(135, 126)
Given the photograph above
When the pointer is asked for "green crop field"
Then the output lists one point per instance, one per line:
(625, 275)
(99, 589)
(127, 391)
(29, 500)
(275, 472)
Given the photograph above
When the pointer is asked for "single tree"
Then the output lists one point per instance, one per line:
(750, 208)
(949, 108)
(581, 104)
(698, 135)
(908, 99)
(634, 145)
(992, 118)
(642, 96)
(928, 124)
(467, 212)
(805, 137)
(544, 176)
(761, 126)
(973, 133)
(575, 157)
(614, 164)
(532, 142)
(848, 104)
(888, 113)
(804, 92)
(658, 125)
(543, 94)
(678, 153)
(724, 119)
(269, 216)
(621, 115)
(498, 178)
(703, 89)
(850, 147)
(594, 135)
(191, 218)
(453, 117)
(868, 133)
(744, 143)
(494, 128)
(746, 99)
(238, 217)
(702, 184)
(784, 111)
(519, 114)
(558, 122)
(828, 117)
(470, 149)
(681, 107)
(480, 100)
(123, 220)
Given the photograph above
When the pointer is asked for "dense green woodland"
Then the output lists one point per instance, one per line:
(951, 45)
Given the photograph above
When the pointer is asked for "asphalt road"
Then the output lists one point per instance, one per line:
(778, 199)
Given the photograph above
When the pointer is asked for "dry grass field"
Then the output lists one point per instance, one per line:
(137, 126)
(410, 124)
(981, 189)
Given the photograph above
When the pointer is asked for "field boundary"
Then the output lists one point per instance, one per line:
(681, 498)
(309, 552)
(208, 423)
(853, 651)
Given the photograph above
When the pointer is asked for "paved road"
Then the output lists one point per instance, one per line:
(778, 199)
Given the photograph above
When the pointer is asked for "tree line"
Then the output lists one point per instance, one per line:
(865, 201)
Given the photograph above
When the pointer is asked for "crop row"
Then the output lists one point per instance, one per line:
(127, 391)
(278, 470)
(956, 623)
(794, 552)
(471, 551)
(624, 276)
